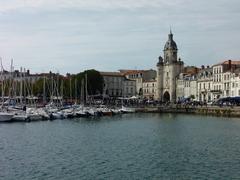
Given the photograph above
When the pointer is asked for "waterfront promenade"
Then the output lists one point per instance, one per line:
(230, 111)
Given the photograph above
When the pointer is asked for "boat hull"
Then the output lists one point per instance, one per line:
(5, 117)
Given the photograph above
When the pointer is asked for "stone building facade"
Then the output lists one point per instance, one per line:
(129, 88)
(223, 75)
(117, 85)
(205, 84)
(139, 76)
(113, 84)
(235, 83)
(186, 86)
(150, 89)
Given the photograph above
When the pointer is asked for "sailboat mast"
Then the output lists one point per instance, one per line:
(21, 85)
(62, 92)
(11, 80)
(24, 87)
(2, 81)
(52, 88)
(76, 90)
(86, 91)
(71, 89)
(82, 91)
(44, 89)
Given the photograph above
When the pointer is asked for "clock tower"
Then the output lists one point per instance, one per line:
(168, 70)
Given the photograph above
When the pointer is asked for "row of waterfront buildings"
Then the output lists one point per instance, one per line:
(204, 84)
(171, 81)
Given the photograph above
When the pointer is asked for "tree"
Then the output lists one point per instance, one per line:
(95, 82)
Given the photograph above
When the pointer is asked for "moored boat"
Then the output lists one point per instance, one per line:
(127, 110)
(21, 117)
(6, 116)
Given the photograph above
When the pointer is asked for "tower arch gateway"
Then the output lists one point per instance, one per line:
(166, 97)
(168, 69)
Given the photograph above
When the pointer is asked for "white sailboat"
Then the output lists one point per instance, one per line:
(127, 110)
(5, 116)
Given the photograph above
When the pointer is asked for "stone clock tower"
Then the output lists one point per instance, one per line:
(168, 70)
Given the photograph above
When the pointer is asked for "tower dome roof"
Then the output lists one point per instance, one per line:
(160, 61)
(170, 44)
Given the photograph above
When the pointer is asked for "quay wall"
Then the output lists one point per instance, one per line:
(210, 110)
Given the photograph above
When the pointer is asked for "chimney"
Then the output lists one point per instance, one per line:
(229, 64)
(208, 66)
(203, 67)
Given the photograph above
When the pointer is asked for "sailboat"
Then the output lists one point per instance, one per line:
(125, 109)
(81, 110)
(5, 115)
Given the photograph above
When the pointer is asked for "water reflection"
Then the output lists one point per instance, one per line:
(131, 146)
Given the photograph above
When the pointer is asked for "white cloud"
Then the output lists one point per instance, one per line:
(10, 5)
(117, 32)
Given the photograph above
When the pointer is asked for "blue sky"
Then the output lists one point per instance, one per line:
(107, 35)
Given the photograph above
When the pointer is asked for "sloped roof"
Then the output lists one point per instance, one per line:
(111, 74)
(129, 71)
(233, 62)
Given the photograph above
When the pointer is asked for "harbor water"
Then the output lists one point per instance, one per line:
(128, 146)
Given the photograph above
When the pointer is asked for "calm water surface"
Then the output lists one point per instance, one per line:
(133, 146)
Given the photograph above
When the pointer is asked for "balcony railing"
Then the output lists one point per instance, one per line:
(216, 91)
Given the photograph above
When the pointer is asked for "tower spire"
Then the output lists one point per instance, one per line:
(170, 36)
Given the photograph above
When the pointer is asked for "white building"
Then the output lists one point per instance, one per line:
(140, 76)
(205, 84)
(116, 85)
(211, 83)
(129, 88)
(150, 89)
(223, 76)
(186, 86)
(235, 83)
(113, 84)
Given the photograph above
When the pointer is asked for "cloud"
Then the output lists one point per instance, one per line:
(11, 5)
(114, 34)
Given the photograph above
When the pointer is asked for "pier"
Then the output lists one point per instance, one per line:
(204, 110)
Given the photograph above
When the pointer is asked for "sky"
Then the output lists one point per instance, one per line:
(108, 35)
